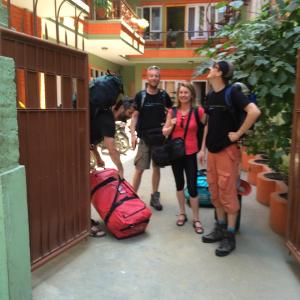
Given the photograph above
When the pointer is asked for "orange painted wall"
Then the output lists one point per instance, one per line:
(176, 2)
(22, 20)
(102, 28)
(176, 74)
(167, 53)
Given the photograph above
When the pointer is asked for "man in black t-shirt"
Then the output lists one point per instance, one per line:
(223, 133)
(150, 114)
(103, 127)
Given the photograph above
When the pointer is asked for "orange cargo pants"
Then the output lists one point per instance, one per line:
(222, 174)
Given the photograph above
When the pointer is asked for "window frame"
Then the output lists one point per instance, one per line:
(140, 12)
(207, 11)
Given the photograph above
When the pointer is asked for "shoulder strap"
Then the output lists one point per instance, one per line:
(187, 124)
(196, 112)
(143, 93)
(174, 114)
(163, 97)
(228, 101)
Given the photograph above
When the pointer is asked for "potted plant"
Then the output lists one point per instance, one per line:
(172, 38)
(101, 9)
(265, 61)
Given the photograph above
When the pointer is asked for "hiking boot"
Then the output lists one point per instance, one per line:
(227, 244)
(216, 235)
(155, 201)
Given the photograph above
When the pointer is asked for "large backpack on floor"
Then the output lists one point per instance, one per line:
(202, 188)
(123, 212)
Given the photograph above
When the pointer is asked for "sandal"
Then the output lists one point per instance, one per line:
(96, 232)
(198, 227)
(181, 221)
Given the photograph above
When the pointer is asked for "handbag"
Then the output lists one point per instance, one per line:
(177, 145)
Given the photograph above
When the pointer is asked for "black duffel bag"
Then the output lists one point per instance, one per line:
(161, 154)
(153, 136)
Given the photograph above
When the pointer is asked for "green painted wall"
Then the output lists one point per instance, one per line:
(128, 76)
(15, 275)
(3, 15)
(100, 63)
(133, 3)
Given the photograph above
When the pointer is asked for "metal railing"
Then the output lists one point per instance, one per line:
(176, 39)
(120, 10)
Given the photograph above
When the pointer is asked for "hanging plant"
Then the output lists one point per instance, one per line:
(264, 54)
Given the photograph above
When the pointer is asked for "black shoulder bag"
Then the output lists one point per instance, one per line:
(177, 145)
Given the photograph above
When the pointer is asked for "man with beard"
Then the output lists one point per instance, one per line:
(150, 114)
(103, 128)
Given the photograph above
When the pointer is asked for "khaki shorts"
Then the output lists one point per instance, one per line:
(222, 175)
(143, 157)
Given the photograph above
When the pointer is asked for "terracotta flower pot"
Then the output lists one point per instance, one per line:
(245, 159)
(255, 166)
(278, 212)
(264, 188)
(281, 187)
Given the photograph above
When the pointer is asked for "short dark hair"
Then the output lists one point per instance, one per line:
(128, 103)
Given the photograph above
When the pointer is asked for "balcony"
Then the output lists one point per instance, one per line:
(113, 34)
(177, 39)
(173, 47)
(72, 23)
(50, 8)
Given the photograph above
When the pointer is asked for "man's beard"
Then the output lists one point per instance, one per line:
(154, 86)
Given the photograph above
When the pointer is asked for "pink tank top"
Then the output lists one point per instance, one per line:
(191, 141)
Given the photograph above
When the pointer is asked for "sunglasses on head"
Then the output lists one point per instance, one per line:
(153, 68)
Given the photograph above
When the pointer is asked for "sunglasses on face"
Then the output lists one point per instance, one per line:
(215, 66)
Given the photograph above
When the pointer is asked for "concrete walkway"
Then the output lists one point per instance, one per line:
(171, 262)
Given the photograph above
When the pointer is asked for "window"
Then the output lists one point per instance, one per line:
(201, 20)
(153, 14)
(96, 72)
(171, 86)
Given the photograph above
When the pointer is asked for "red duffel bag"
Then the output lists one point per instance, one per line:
(123, 212)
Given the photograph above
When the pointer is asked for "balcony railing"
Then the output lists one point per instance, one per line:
(120, 10)
(176, 39)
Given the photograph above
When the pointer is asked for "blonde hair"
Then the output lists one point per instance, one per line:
(191, 88)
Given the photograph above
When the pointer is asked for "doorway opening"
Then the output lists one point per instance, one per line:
(175, 26)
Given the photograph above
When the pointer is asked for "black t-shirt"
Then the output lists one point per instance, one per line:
(102, 125)
(152, 114)
(221, 120)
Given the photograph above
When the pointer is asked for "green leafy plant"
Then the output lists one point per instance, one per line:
(105, 4)
(264, 54)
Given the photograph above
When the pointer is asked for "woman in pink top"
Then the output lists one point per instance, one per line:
(186, 104)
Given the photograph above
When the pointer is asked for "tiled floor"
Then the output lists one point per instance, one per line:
(171, 262)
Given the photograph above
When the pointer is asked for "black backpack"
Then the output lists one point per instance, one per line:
(238, 116)
(104, 91)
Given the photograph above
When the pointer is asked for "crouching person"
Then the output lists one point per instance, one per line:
(223, 158)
